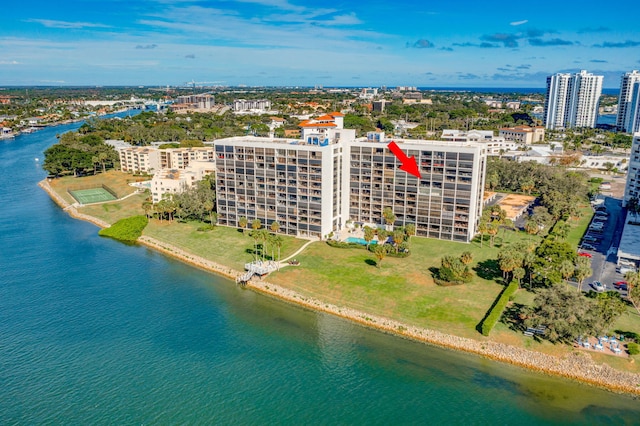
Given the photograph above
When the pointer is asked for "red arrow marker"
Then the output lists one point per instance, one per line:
(409, 164)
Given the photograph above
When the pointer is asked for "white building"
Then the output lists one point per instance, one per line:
(139, 159)
(251, 105)
(172, 181)
(632, 188)
(313, 186)
(628, 119)
(494, 145)
(368, 93)
(525, 135)
(572, 100)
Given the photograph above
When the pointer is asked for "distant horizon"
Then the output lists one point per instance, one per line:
(296, 43)
(318, 87)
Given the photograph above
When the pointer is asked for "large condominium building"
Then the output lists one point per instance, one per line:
(628, 119)
(204, 101)
(315, 185)
(572, 100)
(632, 189)
(446, 201)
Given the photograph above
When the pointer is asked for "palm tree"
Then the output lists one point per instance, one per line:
(208, 206)
(255, 225)
(243, 222)
(102, 157)
(278, 241)
(380, 251)
(410, 229)
(582, 270)
(382, 236)
(518, 274)
(566, 269)
(483, 227)
(466, 257)
(368, 234)
(398, 238)
(275, 226)
(633, 288)
(389, 217)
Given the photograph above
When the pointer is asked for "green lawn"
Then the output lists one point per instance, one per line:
(402, 289)
(116, 210)
(579, 227)
(223, 245)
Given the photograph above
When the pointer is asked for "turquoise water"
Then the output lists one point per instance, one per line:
(97, 332)
(359, 241)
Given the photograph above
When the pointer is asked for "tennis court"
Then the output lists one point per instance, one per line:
(92, 195)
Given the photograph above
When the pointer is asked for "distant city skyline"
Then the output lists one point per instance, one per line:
(294, 43)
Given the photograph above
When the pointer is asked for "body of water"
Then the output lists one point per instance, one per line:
(97, 332)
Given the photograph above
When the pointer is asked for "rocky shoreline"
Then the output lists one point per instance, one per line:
(577, 366)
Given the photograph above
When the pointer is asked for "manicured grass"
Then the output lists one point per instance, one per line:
(224, 245)
(117, 181)
(579, 227)
(402, 289)
(116, 210)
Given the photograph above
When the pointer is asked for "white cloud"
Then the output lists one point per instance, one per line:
(516, 23)
(67, 25)
(9, 62)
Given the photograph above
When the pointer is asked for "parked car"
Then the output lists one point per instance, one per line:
(598, 286)
(621, 285)
(602, 214)
(591, 239)
(586, 246)
(624, 269)
(584, 254)
(601, 208)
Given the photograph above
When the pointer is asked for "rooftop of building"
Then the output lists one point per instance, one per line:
(522, 128)
(630, 241)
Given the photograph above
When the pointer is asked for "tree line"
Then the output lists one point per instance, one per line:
(79, 154)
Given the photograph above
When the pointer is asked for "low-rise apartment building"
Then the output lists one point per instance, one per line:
(173, 181)
(139, 159)
(180, 158)
(523, 134)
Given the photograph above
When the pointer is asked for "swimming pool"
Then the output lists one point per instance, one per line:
(359, 241)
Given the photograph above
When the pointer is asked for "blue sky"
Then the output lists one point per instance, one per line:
(289, 42)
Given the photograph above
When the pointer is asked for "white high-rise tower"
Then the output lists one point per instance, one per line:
(572, 100)
(629, 103)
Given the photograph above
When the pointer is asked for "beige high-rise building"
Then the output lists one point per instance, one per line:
(314, 186)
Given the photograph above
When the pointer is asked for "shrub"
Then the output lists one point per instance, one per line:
(633, 348)
(497, 309)
(344, 244)
(127, 230)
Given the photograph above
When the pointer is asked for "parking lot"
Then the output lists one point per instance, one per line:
(601, 243)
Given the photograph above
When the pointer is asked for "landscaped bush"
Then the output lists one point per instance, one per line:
(127, 230)
(343, 244)
(633, 348)
(498, 308)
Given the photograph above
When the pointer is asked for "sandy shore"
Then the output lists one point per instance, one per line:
(576, 365)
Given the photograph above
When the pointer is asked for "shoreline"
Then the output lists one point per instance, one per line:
(577, 366)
